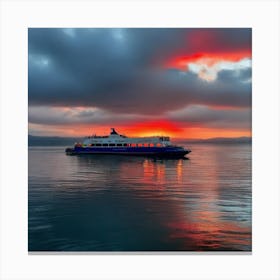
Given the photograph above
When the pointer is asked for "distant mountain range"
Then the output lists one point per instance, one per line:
(52, 140)
(218, 140)
(69, 141)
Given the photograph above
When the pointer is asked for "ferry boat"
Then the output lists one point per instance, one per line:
(159, 146)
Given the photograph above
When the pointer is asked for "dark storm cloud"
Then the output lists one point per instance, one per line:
(120, 70)
(198, 115)
(60, 116)
(241, 75)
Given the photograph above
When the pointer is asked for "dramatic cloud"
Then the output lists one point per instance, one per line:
(120, 76)
(198, 115)
(194, 115)
(79, 115)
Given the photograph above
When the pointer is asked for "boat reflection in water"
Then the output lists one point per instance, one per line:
(123, 203)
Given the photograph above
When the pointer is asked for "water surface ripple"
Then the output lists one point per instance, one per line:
(122, 203)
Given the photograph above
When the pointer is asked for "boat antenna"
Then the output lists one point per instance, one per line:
(113, 132)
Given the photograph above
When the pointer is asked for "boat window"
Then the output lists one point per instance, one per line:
(98, 145)
(104, 144)
(112, 145)
(133, 145)
(119, 145)
(92, 144)
(125, 144)
(151, 145)
(158, 145)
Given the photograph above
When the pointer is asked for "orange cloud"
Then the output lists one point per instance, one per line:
(204, 133)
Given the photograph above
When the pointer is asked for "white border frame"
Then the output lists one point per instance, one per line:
(17, 16)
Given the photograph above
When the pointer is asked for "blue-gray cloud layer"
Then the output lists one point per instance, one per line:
(120, 70)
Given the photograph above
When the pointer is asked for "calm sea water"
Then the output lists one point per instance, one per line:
(120, 203)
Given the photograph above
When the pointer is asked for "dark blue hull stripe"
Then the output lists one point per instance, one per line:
(129, 150)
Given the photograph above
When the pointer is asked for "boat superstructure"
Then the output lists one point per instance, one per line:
(116, 143)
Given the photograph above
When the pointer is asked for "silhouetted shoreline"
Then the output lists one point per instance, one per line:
(69, 141)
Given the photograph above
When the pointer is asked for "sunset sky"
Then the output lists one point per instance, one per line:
(185, 82)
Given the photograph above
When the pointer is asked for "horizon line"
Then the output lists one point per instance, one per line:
(177, 138)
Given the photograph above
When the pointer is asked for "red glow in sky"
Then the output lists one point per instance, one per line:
(159, 128)
(154, 128)
(181, 61)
